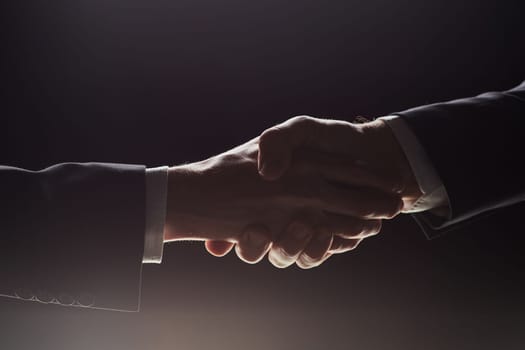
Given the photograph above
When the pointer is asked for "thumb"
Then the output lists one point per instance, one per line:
(277, 144)
(275, 154)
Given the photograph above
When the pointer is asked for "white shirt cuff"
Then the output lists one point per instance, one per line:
(156, 197)
(434, 192)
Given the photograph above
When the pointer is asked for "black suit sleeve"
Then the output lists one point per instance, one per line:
(477, 148)
(73, 234)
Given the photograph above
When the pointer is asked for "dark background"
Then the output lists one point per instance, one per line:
(168, 81)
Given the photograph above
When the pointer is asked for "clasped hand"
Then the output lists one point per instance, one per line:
(301, 192)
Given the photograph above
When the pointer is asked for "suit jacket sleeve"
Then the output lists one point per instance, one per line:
(73, 234)
(477, 148)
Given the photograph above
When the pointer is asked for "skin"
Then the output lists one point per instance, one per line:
(302, 217)
(353, 155)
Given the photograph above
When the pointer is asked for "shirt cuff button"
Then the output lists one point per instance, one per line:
(44, 296)
(24, 293)
(86, 300)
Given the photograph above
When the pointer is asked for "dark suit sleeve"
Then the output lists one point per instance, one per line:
(477, 148)
(73, 234)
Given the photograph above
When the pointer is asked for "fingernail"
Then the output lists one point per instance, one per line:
(270, 168)
(257, 239)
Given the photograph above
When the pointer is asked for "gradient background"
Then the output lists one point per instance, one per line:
(168, 81)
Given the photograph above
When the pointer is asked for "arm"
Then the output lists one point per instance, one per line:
(476, 148)
(73, 234)
(456, 161)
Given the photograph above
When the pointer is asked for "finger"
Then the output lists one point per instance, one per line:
(342, 170)
(292, 241)
(341, 245)
(363, 203)
(277, 144)
(349, 227)
(253, 244)
(314, 253)
(274, 154)
(325, 257)
(358, 176)
(218, 248)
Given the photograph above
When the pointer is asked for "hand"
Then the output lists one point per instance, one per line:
(225, 199)
(368, 148)
(371, 146)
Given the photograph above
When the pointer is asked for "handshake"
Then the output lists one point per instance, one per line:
(302, 191)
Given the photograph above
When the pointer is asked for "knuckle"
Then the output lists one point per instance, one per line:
(358, 228)
(366, 212)
(303, 122)
(351, 247)
(301, 119)
(269, 134)
(394, 208)
(373, 228)
(354, 244)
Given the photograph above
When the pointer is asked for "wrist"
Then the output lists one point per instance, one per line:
(180, 199)
(390, 154)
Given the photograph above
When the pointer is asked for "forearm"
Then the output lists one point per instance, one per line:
(475, 145)
(73, 230)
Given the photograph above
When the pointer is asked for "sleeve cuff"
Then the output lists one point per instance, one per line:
(434, 192)
(156, 197)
